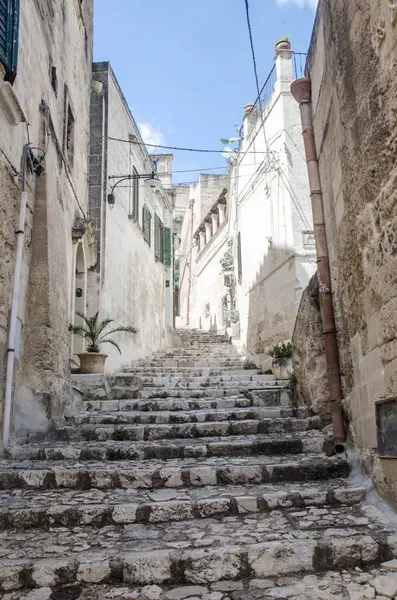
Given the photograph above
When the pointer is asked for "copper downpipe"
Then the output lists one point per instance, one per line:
(301, 91)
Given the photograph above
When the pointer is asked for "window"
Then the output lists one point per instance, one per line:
(69, 130)
(9, 25)
(135, 194)
(147, 225)
(54, 78)
(159, 239)
(167, 247)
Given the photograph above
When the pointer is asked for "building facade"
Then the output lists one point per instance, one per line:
(44, 222)
(270, 218)
(132, 280)
(197, 304)
(352, 66)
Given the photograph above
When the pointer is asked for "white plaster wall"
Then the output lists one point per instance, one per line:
(133, 291)
(270, 207)
(210, 283)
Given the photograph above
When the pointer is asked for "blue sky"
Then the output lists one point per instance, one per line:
(185, 65)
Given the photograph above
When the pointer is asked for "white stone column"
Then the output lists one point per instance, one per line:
(222, 213)
(202, 240)
(208, 232)
(214, 218)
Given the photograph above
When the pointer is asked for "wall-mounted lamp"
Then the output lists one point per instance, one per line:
(150, 181)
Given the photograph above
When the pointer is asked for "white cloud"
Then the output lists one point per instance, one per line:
(151, 134)
(300, 3)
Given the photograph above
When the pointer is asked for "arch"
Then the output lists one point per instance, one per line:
(79, 291)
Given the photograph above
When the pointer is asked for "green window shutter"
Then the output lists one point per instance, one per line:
(158, 239)
(167, 247)
(9, 25)
(146, 225)
(239, 259)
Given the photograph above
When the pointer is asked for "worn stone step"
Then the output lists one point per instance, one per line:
(200, 382)
(192, 363)
(200, 551)
(238, 445)
(191, 371)
(185, 430)
(207, 415)
(208, 392)
(24, 509)
(174, 473)
(272, 403)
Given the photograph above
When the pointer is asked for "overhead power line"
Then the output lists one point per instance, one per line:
(247, 12)
(181, 148)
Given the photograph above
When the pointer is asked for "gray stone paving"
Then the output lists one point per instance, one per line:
(189, 477)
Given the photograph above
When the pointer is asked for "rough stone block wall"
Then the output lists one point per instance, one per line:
(353, 67)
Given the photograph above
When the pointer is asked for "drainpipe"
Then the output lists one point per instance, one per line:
(191, 205)
(20, 235)
(301, 91)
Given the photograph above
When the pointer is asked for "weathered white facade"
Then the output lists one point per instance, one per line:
(269, 214)
(198, 228)
(44, 106)
(264, 221)
(132, 279)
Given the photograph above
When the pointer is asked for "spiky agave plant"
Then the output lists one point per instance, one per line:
(94, 332)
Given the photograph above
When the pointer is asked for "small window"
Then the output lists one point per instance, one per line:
(69, 131)
(9, 29)
(54, 79)
(207, 310)
(147, 225)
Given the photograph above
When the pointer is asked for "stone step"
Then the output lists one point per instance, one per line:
(24, 509)
(200, 382)
(247, 445)
(191, 371)
(353, 584)
(207, 415)
(184, 430)
(208, 392)
(272, 401)
(200, 551)
(175, 473)
(194, 364)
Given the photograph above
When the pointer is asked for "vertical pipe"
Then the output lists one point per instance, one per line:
(190, 264)
(301, 91)
(20, 234)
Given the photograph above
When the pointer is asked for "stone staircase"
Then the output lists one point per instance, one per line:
(188, 477)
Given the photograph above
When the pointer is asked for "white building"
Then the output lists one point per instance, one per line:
(132, 279)
(262, 227)
(270, 217)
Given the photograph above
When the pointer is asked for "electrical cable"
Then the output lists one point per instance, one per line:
(114, 139)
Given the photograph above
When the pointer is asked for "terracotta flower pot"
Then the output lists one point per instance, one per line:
(92, 362)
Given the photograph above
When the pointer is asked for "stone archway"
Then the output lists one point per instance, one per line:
(79, 291)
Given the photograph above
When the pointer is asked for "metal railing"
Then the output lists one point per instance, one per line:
(298, 69)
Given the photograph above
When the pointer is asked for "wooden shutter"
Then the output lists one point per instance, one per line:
(239, 259)
(167, 247)
(146, 225)
(9, 24)
(135, 195)
(156, 237)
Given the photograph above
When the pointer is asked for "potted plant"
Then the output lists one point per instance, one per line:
(282, 360)
(93, 331)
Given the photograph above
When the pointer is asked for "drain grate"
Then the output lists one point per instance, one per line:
(66, 593)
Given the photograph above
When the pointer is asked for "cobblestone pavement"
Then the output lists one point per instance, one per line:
(190, 477)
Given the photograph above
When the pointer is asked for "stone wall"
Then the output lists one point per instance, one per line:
(51, 44)
(352, 64)
(130, 284)
(309, 355)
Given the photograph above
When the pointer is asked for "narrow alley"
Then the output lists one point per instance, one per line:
(189, 477)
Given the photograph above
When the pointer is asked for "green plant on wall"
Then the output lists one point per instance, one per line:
(94, 332)
(227, 262)
(281, 353)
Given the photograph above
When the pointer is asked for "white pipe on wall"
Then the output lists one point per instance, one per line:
(20, 235)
